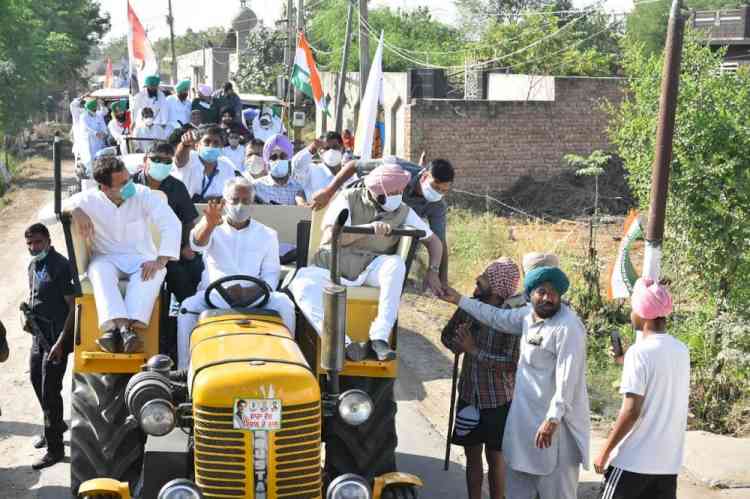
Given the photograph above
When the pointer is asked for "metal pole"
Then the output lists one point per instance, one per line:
(341, 90)
(297, 93)
(170, 20)
(364, 49)
(664, 135)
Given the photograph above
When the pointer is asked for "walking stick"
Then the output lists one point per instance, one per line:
(446, 465)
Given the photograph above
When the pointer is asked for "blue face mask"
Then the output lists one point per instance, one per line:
(210, 154)
(39, 256)
(159, 171)
(127, 191)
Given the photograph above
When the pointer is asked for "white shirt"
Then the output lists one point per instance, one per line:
(264, 134)
(312, 176)
(236, 156)
(194, 178)
(144, 132)
(158, 104)
(252, 251)
(340, 203)
(178, 111)
(123, 233)
(88, 127)
(658, 368)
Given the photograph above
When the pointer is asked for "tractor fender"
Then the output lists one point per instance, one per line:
(394, 478)
(98, 486)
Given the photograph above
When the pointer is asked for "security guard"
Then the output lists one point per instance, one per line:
(51, 311)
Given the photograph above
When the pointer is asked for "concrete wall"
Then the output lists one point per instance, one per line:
(210, 65)
(493, 144)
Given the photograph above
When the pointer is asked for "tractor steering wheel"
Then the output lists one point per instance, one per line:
(218, 285)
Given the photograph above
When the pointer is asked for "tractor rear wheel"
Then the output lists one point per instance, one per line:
(368, 450)
(101, 444)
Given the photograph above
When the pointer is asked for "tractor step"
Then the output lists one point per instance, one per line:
(105, 362)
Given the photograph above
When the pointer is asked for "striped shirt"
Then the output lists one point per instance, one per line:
(267, 191)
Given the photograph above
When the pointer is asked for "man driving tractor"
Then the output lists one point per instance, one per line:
(368, 260)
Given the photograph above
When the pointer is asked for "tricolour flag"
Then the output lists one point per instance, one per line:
(142, 57)
(622, 276)
(305, 76)
(368, 110)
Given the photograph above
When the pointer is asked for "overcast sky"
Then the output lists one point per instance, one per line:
(200, 14)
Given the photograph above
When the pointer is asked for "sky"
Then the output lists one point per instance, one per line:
(199, 15)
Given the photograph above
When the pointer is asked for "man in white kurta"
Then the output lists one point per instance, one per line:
(547, 433)
(201, 166)
(151, 96)
(232, 245)
(149, 131)
(92, 132)
(76, 108)
(116, 219)
(179, 106)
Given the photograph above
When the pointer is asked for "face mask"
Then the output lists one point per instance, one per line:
(182, 95)
(392, 202)
(39, 256)
(280, 168)
(159, 171)
(238, 213)
(332, 158)
(429, 192)
(209, 154)
(127, 191)
(234, 142)
(255, 165)
(265, 121)
(148, 121)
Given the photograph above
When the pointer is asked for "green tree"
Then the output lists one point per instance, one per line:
(708, 213)
(261, 63)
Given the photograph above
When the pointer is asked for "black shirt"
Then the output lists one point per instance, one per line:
(178, 199)
(50, 281)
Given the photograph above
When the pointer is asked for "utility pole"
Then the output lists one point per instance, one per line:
(364, 49)
(670, 80)
(297, 93)
(170, 20)
(340, 91)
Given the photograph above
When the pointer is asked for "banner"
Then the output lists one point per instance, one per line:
(142, 57)
(368, 109)
(622, 276)
(305, 76)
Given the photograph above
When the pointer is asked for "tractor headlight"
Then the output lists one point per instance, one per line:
(349, 486)
(355, 407)
(180, 488)
(157, 417)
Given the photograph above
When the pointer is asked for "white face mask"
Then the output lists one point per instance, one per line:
(332, 158)
(238, 213)
(280, 168)
(429, 192)
(148, 121)
(392, 202)
(255, 165)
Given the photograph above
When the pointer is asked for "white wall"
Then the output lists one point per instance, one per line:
(514, 88)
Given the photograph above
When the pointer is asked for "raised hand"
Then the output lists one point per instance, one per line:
(214, 212)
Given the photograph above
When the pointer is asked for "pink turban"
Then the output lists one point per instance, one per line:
(274, 141)
(387, 178)
(205, 90)
(503, 275)
(650, 300)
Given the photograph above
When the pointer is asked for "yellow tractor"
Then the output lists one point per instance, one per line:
(262, 412)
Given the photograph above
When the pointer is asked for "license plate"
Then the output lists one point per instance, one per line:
(257, 414)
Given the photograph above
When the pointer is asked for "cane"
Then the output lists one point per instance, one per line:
(446, 465)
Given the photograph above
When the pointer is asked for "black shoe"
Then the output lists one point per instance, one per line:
(47, 460)
(110, 341)
(131, 343)
(39, 442)
(356, 351)
(382, 350)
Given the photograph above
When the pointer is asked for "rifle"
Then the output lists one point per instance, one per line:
(33, 319)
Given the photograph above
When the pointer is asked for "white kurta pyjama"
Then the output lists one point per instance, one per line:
(122, 243)
(90, 144)
(157, 104)
(550, 383)
(252, 251)
(179, 111)
(194, 177)
(386, 272)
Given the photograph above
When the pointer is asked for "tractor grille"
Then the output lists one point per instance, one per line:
(224, 465)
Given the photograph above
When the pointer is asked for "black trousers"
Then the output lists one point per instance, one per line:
(47, 378)
(621, 484)
(183, 277)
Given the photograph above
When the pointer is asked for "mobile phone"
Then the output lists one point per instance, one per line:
(614, 337)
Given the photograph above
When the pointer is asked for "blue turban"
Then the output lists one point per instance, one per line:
(552, 275)
(274, 141)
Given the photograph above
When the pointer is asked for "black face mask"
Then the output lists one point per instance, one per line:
(182, 95)
(152, 93)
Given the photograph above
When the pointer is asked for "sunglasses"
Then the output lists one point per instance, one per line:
(276, 156)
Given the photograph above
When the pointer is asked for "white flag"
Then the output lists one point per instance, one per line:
(143, 61)
(368, 108)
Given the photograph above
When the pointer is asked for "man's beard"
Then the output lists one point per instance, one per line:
(545, 310)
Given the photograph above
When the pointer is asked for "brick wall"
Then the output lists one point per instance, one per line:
(492, 144)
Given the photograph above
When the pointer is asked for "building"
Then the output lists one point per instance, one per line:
(728, 28)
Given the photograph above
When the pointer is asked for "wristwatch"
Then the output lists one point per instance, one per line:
(435, 268)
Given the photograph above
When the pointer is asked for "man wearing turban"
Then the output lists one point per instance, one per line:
(151, 96)
(179, 106)
(92, 132)
(278, 187)
(547, 433)
(368, 260)
(656, 387)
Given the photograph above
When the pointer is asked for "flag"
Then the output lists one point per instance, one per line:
(305, 76)
(622, 276)
(142, 57)
(368, 109)
(108, 80)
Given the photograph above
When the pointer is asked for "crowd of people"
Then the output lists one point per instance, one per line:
(523, 400)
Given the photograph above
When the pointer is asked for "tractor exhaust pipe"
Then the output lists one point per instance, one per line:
(334, 316)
